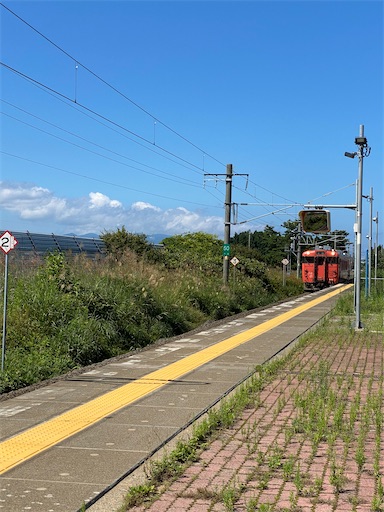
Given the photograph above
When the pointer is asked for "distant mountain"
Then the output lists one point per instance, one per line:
(87, 235)
(90, 235)
(153, 239)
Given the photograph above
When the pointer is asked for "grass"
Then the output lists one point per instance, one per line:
(66, 313)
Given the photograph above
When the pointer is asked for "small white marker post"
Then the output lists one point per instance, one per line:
(7, 243)
(285, 262)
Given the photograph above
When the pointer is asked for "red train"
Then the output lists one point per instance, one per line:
(324, 267)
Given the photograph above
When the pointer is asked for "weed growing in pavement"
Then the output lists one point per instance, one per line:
(230, 494)
(298, 480)
(293, 500)
(360, 457)
(252, 505)
(274, 460)
(260, 457)
(264, 507)
(251, 437)
(137, 495)
(288, 434)
(289, 467)
(315, 488)
(337, 478)
(263, 479)
(378, 499)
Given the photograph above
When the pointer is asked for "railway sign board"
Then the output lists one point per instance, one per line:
(226, 250)
(315, 221)
(7, 242)
(235, 261)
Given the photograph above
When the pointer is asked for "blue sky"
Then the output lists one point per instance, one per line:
(120, 121)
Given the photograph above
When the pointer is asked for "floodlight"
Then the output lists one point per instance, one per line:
(362, 141)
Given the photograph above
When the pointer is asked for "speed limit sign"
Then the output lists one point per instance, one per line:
(7, 242)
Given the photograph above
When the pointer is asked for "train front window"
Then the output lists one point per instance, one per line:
(308, 259)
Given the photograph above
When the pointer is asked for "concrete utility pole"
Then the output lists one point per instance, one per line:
(364, 150)
(227, 220)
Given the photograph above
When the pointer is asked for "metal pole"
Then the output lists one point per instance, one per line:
(5, 311)
(227, 221)
(359, 214)
(376, 219)
(370, 241)
(355, 249)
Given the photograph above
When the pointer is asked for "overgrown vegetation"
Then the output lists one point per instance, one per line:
(67, 312)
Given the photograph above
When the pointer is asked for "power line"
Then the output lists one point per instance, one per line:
(86, 114)
(78, 63)
(46, 87)
(177, 180)
(101, 181)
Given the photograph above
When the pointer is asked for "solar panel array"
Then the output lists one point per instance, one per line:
(41, 244)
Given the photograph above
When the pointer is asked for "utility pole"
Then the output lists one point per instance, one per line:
(227, 219)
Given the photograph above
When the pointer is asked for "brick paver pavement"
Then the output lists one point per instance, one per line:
(312, 442)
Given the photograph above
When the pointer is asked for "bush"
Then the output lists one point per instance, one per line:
(72, 312)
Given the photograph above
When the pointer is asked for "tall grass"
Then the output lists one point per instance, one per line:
(65, 313)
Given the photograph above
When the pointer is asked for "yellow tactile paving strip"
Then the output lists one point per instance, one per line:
(23, 446)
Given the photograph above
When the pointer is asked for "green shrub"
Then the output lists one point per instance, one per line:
(74, 311)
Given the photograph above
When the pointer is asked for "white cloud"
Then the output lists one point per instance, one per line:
(99, 200)
(37, 209)
(140, 205)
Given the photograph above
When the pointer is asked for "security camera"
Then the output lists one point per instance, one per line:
(350, 155)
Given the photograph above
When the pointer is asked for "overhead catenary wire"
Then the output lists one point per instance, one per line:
(333, 192)
(122, 134)
(78, 63)
(44, 86)
(119, 185)
(173, 177)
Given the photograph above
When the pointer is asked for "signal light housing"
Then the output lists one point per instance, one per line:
(315, 221)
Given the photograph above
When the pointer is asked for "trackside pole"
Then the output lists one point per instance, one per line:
(4, 311)
(7, 243)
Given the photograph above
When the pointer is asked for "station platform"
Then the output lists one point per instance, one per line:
(81, 439)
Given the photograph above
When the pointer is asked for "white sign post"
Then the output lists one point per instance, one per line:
(7, 243)
(285, 263)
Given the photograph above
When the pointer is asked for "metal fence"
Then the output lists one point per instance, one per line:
(40, 244)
